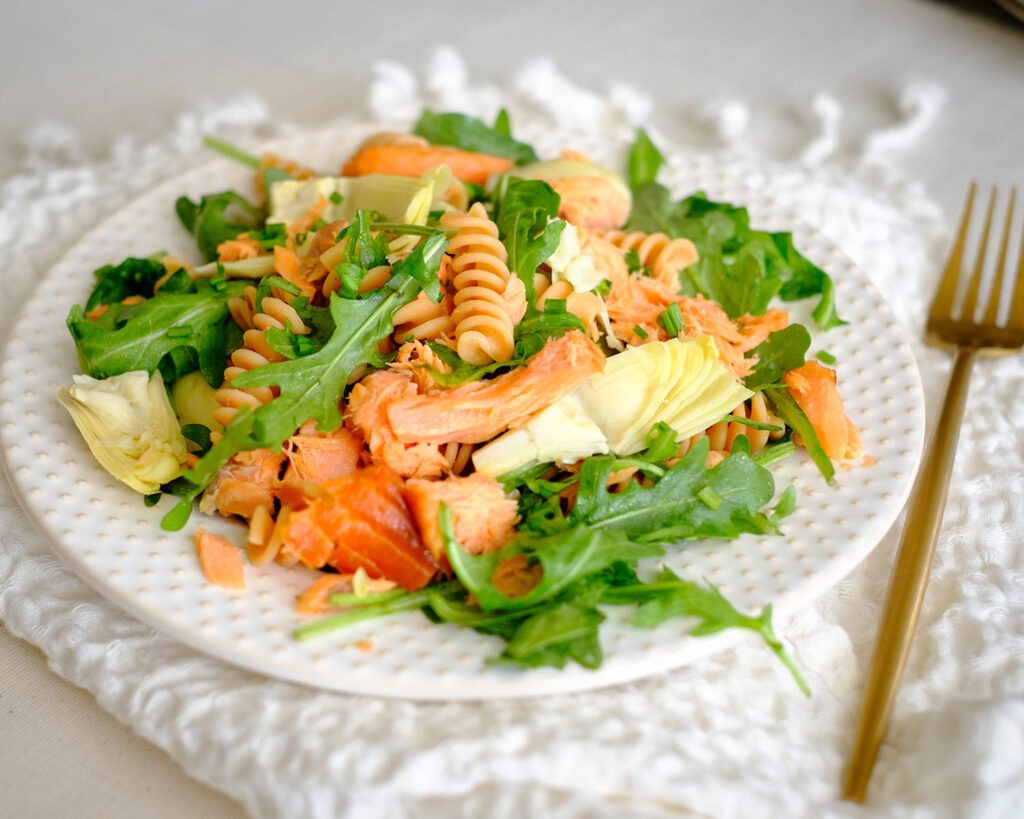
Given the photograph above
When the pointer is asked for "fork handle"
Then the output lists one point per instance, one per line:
(909, 578)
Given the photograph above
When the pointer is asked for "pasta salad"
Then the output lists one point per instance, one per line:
(462, 378)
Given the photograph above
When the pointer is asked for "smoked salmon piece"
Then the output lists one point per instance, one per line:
(358, 521)
(813, 387)
(316, 599)
(220, 560)
(636, 303)
(478, 411)
(483, 517)
(248, 481)
(317, 456)
(415, 160)
(367, 411)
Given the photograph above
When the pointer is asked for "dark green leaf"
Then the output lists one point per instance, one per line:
(471, 134)
(560, 632)
(217, 218)
(790, 412)
(132, 277)
(188, 329)
(669, 596)
(645, 160)
(565, 557)
(197, 434)
(526, 212)
(672, 508)
(739, 267)
(782, 351)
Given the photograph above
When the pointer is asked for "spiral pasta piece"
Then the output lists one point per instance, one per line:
(664, 256)
(585, 306)
(422, 320)
(274, 312)
(723, 434)
(486, 297)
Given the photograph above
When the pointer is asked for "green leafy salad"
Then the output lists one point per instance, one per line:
(461, 378)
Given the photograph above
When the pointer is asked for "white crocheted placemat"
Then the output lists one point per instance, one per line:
(727, 736)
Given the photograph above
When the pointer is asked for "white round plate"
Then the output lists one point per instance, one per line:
(105, 533)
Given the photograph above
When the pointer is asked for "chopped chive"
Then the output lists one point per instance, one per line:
(671, 320)
(710, 498)
(747, 422)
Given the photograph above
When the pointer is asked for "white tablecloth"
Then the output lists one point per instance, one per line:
(867, 117)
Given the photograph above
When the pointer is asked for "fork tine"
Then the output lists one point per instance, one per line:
(1016, 317)
(992, 310)
(942, 305)
(971, 298)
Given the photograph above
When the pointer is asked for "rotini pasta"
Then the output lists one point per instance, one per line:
(272, 312)
(664, 257)
(722, 435)
(487, 300)
(421, 319)
(585, 306)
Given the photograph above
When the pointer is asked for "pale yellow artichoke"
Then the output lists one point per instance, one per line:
(130, 427)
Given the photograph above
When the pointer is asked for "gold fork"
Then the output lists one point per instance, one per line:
(951, 324)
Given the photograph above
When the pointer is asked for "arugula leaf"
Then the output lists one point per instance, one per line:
(362, 251)
(564, 557)
(311, 387)
(176, 332)
(538, 327)
(645, 160)
(789, 410)
(559, 618)
(676, 507)
(471, 134)
(561, 632)
(739, 267)
(526, 213)
(373, 607)
(217, 218)
(669, 596)
(132, 277)
(782, 351)
(502, 124)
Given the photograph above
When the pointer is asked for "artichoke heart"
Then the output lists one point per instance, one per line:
(681, 382)
(399, 198)
(130, 427)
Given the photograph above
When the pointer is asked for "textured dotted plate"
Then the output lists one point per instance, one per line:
(103, 531)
